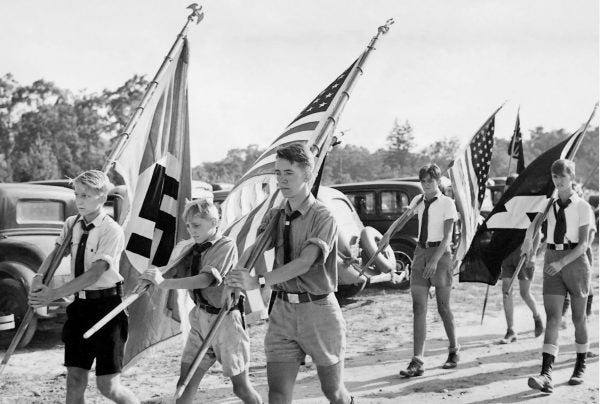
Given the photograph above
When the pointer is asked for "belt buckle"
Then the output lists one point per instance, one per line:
(293, 298)
(81, 294)
(559, 247)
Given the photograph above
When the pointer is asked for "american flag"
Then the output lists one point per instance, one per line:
(469, 174)
(256, 193)
(515, 147)
(259, 181)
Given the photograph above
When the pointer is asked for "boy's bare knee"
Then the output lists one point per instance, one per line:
(77, 379)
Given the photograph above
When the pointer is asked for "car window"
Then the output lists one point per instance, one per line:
(364, 202)
(393, 202)
(36, 211)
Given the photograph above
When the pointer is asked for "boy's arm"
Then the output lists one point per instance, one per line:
(45, 295)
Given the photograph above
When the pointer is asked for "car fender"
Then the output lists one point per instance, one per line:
(26, 253)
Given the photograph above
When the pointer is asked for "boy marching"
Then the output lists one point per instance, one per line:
(432, 266)
(566, 270)
(97, 285)
(306, 318)
(207, 258)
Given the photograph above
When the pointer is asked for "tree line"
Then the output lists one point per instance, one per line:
(47, 132)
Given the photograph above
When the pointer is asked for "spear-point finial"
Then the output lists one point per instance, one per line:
(385, 28)
(197, 15)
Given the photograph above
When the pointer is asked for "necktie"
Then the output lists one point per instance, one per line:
(560, 229)
(425, 221)
(197, 251)
(287, 246)
(79, 262)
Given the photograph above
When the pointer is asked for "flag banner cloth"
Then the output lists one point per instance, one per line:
(255, 194)
(515, 147)
(469, 174)
(154, 167)
(504, 229)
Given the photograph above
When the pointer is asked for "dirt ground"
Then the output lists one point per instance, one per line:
(379, 324)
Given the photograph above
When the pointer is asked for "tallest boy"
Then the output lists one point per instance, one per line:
(306, 317)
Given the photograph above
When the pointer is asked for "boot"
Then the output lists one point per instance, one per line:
(538, 326)
(543, 382)
(415, 368)
(577, 377)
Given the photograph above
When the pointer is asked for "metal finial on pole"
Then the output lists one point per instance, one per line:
(386, 27)
(197, 15)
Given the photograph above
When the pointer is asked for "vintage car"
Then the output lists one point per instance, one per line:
(355, 244)
(379, 204)
(32, 218)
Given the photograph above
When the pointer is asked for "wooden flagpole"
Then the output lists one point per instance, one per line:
(538, 224)
(510, 159)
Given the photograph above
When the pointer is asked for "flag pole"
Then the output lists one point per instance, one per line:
(570, 156)
(513, 148)
(196, 16)
(326, 131)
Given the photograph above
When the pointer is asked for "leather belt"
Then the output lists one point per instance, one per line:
(215, 310)
(561, 247)
(430, 244)
(299, 297)
(116, 290)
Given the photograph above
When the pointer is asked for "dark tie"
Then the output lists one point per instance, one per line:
(287, 246)
(197, 251)
(79, 262)
(425, 221)
(560, 229)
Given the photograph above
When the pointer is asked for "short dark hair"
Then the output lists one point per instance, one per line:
(563, 166)
(297, 153)
(432, 169)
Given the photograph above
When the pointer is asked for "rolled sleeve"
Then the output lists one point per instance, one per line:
(323, 246)
(220, 259)
(215, 274)
(110, 247)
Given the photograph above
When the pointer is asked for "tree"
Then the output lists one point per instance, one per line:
(400, 142)
(441, 152)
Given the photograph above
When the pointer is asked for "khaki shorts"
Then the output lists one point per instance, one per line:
(443, 273)
(574, 278)
(231, 346)
(299, 329)
(510, 263)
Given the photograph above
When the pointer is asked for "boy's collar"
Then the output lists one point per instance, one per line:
(97, 220)
(302, 208)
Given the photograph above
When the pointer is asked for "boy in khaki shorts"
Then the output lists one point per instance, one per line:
(509, 266)
(306, 317)
(209, 257)
(95, 251)
(432, 266)
(566, 269)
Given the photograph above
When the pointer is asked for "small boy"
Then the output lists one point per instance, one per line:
(95, 251)
(209, 256)
(566, 270)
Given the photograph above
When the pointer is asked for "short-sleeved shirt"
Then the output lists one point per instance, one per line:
(105, 242)
(576, 215)
(314, 226)
(440, 210)
(217, 261)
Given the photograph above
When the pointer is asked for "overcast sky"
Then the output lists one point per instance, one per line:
(445, 65)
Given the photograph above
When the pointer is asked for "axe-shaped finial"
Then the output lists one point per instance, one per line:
(196, 14)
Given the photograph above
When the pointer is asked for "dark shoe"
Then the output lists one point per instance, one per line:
(452, 360)
(577, 377)
(509, 337)
(538, 326)
(543, 382)
(591, 354)
(415, 368)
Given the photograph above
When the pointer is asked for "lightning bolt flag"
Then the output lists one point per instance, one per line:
(504, 229)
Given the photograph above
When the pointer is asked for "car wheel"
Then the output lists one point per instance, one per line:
(404, 260)
(13, 299)
(369, 239)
